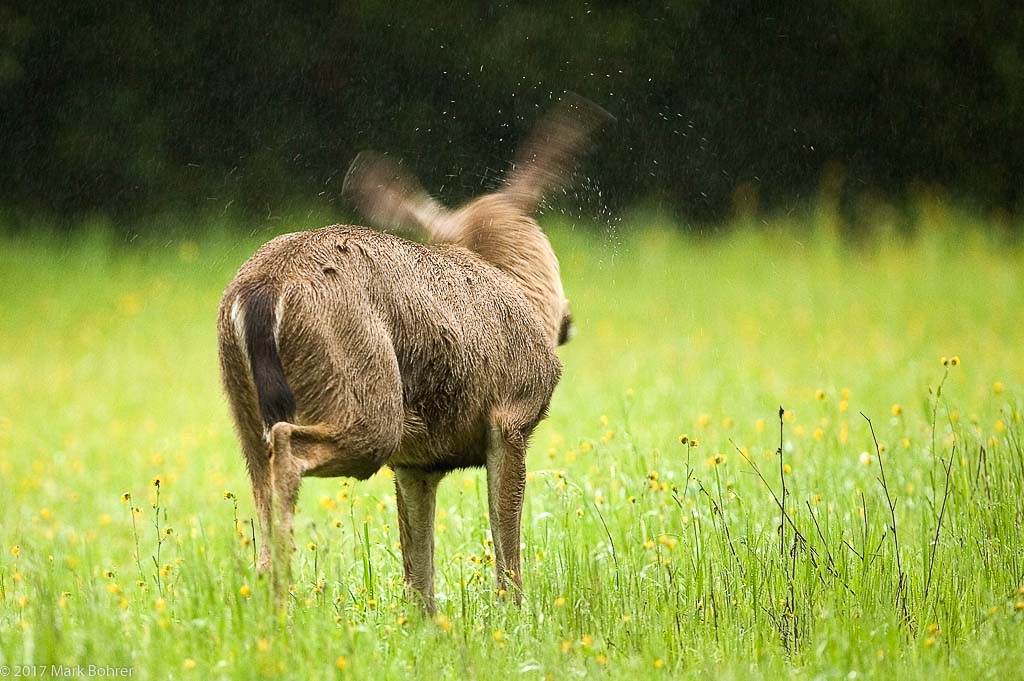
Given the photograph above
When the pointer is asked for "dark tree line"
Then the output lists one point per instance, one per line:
(133, 108)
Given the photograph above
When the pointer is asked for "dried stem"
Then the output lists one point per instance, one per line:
(782, 476)
(611, 543)
(900, 589)
(135, 535)
(938, 526)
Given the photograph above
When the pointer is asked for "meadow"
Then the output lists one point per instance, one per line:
(675, 523)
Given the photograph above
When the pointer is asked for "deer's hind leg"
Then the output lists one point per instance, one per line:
(416, 493)
(320, 450)
(242, 398)
(348, 393)
(257, 460)
(506, 486)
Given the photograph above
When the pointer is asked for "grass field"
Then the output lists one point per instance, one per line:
(643, 555)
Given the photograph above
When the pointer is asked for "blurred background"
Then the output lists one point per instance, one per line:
(126, 112)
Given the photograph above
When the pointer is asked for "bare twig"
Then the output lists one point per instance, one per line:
(716, 509)
(782, 476)
(935, 405)
(252, 530)
(864, 514)
(938, 526)
(831, 562)
(902, 580)
(778, 502)
(135, 533)
(798, 537)
(611, 543)
(792, 628)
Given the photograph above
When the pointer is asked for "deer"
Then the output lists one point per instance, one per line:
(346, 349)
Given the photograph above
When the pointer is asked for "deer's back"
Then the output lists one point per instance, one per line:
(368, 320)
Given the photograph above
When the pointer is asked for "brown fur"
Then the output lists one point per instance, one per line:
(426, 358)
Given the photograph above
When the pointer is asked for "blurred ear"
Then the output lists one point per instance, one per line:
(390, 198)
(567, 329)
(544, 162)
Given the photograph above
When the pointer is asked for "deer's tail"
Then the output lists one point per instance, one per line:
(260, 326)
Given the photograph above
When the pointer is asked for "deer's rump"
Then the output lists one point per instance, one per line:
(428, 343)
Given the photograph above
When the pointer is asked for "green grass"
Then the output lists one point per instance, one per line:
(642, 556)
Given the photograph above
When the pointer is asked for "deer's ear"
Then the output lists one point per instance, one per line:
(567, 330)
(392, 198)
(545, 160)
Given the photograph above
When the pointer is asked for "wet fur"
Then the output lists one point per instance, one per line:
(417, 345)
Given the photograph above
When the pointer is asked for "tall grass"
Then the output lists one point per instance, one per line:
(676, 523)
